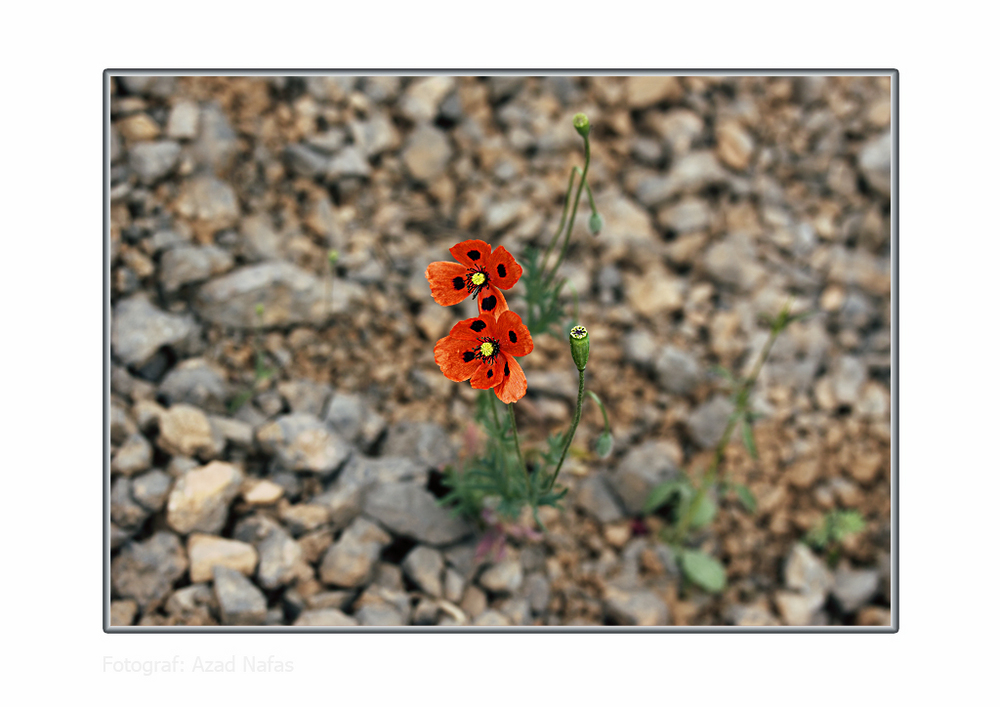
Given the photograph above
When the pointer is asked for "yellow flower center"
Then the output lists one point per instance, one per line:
(486, 349)
(478, 278)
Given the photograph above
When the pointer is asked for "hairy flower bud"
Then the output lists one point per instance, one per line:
(582, 124)
(579, 346)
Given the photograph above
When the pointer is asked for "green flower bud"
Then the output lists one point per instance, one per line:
(582, 124)
(579, 346)
(333, 255)
(259, 309)
(596, 223)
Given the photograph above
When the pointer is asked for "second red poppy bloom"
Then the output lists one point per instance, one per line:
(480, 271)
(483, 349)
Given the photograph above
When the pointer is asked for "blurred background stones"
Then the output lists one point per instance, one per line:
(278, 424)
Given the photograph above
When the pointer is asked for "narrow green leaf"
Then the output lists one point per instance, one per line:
(703, 570)
(746, 498)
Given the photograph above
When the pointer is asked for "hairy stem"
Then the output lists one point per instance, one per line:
(572, 218)
(517, 446)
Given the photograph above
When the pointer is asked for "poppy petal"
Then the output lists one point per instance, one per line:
(488, 375)
(456, 358)
(481, 327)
(448, 284)
(492, 300)
(514, 337)
(503, 269)
(513, 385)
(472, 253)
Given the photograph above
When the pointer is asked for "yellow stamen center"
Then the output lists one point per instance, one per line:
(478, 278)
(486, 349)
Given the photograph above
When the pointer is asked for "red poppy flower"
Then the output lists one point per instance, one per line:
(483, 349)
(480, 272)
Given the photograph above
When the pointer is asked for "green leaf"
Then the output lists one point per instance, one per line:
(703, 570)
(660, 494)
(847, 523)
(703, 512)
(604, 445)
(748, 439)
(746, 498)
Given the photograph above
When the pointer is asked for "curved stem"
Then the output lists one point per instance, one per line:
(562, 222)
(572, 433)
(576, 204)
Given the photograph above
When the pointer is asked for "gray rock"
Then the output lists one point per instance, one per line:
(151, 489)
(210, 200)
(289, 294)
(305, 396)
(200, 499)
(240, 602)
(849, 375)
(733, 262)
(504, 577)
(351, 561)
(799, 609)
(688, 214)
(426, 153)
(380, 615)
(325, 617)
(408, 509)
(166, 238)
(302, 442)
(354, 420)
(135, 455)
(454, 585)
(153, 160)
(349, 162)
(183, 121)
(425, 442)
(690, 174)
(422, 97)
(424, 566)
(156, 86)
(640, 348)
(375, 135)
(343, 502)
(594, 495)
(138, 330)
(122, 612)
(492, 617)
(305, 161)
(281, 560)
(708, 421)
(217, 143)
(677, 370)
(199, 383)
(124, 510)
(638, 607)
(806, 573)
(146, 571)
(260, 240)
(875, 162)
(185, 265)
(538, 591)
(643, 468)
(854, 589)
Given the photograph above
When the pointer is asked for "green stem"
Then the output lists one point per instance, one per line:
(517, 446)
(572, 433)
(607, 422)
(742, 402)
(562, 222)
(496, 421)
(576, 204)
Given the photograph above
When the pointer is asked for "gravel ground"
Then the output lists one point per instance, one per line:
(278, 465)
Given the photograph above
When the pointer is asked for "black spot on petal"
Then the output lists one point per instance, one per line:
(459, 283)
(473, 255)
(513, 336)
(506, 370)
(478, 325)
(489, 373)
(489, 303)
(468, 356)
(501, 270)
